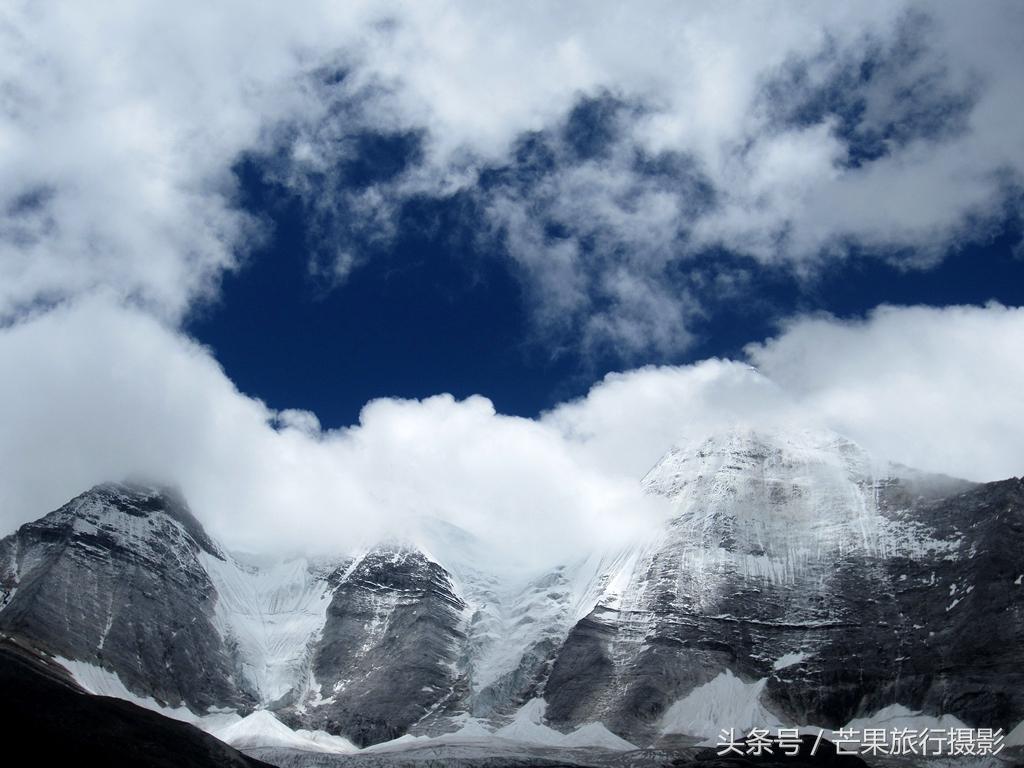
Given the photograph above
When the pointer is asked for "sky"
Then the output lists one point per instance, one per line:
(345, 271)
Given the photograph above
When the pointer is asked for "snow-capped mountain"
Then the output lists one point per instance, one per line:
(796, 561)
(116, 578)
(797, 575)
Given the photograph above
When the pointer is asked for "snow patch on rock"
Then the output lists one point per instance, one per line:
(103, 682)
(272, 614)
(723, 703)
(1015, 738)
(899, 716)
(402, 742)
(789, 660)
(527, 727)
(263, 729)
(596, 735)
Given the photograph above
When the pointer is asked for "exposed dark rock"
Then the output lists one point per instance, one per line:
(59, 724)
(918, 603)
(388, 647)
(112, 578)
(846, 589)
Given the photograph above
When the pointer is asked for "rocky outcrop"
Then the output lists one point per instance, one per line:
(386, 658)
(795, 559)
(60, 724)
(113, 578)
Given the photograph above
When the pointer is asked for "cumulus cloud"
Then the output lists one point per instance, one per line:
(622, 149)
(93, 391)
(937, 389)
(606, 149)
(604, 145)
(627, 421)
(119, 127)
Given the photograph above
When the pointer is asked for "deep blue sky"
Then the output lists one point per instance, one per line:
(433, 312)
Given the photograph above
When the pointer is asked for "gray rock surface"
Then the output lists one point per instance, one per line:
(47, 716)
(386, 655)
(885, 590)
(113, 578)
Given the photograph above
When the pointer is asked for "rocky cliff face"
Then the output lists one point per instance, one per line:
(60, 724)
(125, 579)
(386, 657)
(794, 559)
(114, 578)
(833, 585)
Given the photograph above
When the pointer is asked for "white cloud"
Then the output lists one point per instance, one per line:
(627, 421)
(713, 85)
(93, 392)
(940, 390)
(119, 125)
(937, 389)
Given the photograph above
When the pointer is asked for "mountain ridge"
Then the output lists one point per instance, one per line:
(776, 543)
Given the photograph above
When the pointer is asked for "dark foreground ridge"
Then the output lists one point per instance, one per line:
(44, 708)
(47, 713)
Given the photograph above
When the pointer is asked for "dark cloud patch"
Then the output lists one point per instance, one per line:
(594, 222)
(28, 217)
(534, 155)
(679, 173)
(31, 201)
(331, 76)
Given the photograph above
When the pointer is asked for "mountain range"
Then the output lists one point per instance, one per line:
(797, 581)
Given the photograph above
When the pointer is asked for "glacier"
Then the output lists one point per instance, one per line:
(272, 614)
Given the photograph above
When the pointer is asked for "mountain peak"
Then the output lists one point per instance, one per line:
(124, 509)
(783, 493)
(745, 450)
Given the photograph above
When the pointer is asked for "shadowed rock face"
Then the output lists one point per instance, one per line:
(63, 725)
(882, 593)
(113, 578)
(124, 578)
(389, 645)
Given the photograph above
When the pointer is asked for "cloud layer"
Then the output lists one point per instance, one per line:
(629, 147)
(94, 392)
(612, 155)
(604, 148)
(937, 389)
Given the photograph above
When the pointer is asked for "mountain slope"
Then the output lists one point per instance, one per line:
(114, 578)
(822, 585)
(62, 725)
(386, 659)
(797, 547)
